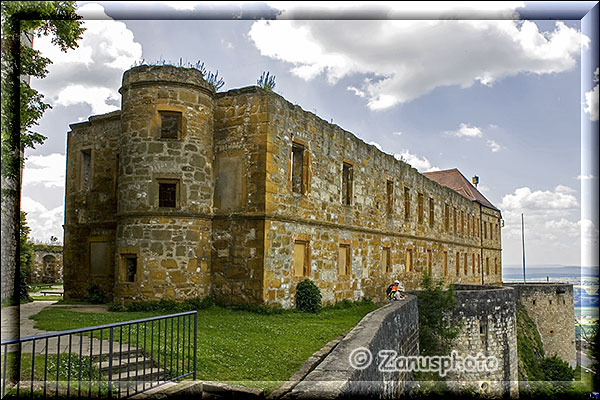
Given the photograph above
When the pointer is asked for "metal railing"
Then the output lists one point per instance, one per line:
(115, 360)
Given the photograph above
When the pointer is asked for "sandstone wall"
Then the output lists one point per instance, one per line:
(171, 244)
(488, 318)
(550, 306)
(238, 224)
(91, 204)
(239, 172)
(47, 264)
(319, 217)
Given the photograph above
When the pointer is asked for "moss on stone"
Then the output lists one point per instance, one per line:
(530, 347)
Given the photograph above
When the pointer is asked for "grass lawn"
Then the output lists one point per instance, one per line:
(237, 346)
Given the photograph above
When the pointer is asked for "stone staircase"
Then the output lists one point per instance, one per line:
(132, 372)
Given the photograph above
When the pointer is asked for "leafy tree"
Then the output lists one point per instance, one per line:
(266, 82)
(437, 327)
(22, 106)
(26, 257)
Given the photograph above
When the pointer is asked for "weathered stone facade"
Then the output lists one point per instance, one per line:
(47, 264)
(489, 328)
(257, 194)
(550, 306)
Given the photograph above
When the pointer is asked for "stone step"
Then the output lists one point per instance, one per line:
(131, 363)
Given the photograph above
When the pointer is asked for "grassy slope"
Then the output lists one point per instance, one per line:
(238, 346)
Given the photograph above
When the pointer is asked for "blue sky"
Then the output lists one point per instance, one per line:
(501, 99)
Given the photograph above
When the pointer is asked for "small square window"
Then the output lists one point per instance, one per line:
(167, 194)
(170, 124)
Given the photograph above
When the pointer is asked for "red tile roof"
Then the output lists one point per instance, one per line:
(453, 179)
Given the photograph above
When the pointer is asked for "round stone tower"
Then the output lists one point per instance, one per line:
(165, 185)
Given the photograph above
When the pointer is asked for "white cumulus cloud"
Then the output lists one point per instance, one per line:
(494, 146)
(591, 103)
(561, 198)
(421, 164)
(48, 170)
(406, 59)
(91, 73)
(466, 130)
(43, 223)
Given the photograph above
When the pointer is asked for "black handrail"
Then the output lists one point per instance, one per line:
(114, 366)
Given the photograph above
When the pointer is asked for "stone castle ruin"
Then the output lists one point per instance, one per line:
(240, 195)
(47, 264)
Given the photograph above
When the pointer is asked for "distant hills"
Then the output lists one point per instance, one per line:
(552, 271)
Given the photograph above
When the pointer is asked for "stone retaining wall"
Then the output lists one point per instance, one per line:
(488, 327)
(550, 305)
(392, 327)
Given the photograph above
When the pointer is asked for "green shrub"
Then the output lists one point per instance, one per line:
(160, 305)
(308, 297)
(95, 295)
(198, 303)
(556, 369)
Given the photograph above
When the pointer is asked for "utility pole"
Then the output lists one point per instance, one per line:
(523, 244)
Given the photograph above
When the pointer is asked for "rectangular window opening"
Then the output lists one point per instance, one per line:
(347, 178)
(301, 259)
(130, 267)
(298, 168)
(446, 217)
(170, 124)
(390, 196)
(86, 168)
(430, 262)
(98, 258)
(409, 260)
(445, 262)
(344, 260)
(387, 260)
(457, 261)
(431, 212)
(454, 220)
(406, 203)
(420, 207)
(167, 194)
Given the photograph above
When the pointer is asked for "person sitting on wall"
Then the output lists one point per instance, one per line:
(392, 290)
(399, 295)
